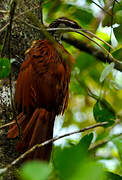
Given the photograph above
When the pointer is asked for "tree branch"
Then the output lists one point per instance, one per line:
(86, 47)
(101, 8)
(103, 142)
(7, 125)
(5, 169)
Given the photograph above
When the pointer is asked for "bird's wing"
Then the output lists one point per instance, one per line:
(43, 79)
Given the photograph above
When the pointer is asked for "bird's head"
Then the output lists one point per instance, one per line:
(62, 25)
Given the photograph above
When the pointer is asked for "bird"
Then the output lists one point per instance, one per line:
(42, 91)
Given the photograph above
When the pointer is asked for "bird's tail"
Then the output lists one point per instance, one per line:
(35, 130)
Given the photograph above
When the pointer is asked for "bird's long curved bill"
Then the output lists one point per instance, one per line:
(88, 37)
(95, 36)
(85, 34)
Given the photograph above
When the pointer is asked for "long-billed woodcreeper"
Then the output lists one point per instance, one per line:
(42, 91)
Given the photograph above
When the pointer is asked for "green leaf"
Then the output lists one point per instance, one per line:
(35, 170)
(84, 61)
(118, 33)
(118, 6)
(68, 160)
(5, 67)
(86, 140)
(88, 1)
(0, 48)
(106, 71)
(113, 176)
(78, 13)
(117, 52)
(74, 163)
(103, 112)
(89, 170)
(118, 17)
(75, 88)
(118, 142)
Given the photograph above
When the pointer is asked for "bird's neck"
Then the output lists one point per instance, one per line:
(57, 36)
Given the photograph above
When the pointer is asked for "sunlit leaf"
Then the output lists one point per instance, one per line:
(118, 142)
(106, 71)
(103, 36)
(35, 170)
(89, 170)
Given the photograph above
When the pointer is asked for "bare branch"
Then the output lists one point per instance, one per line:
(4, 170)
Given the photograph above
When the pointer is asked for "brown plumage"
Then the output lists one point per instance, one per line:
(42, 91)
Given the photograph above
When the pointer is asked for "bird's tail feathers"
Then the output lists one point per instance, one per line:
(34, 130)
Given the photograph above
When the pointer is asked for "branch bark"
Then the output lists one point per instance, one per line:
(86, 47)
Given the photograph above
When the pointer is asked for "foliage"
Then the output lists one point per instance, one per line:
(108, 69)
(103, 112)
(35, 170)
(73, 162)
(77, 161)
(5, 67)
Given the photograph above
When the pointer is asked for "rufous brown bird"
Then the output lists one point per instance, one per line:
(42, 91)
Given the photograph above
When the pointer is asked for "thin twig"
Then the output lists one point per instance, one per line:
(3, 170)
(95, 43)
(95, 36)
(7, 125)
(4, 27)
(101, 8)
(103, 142)
(3, 11)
